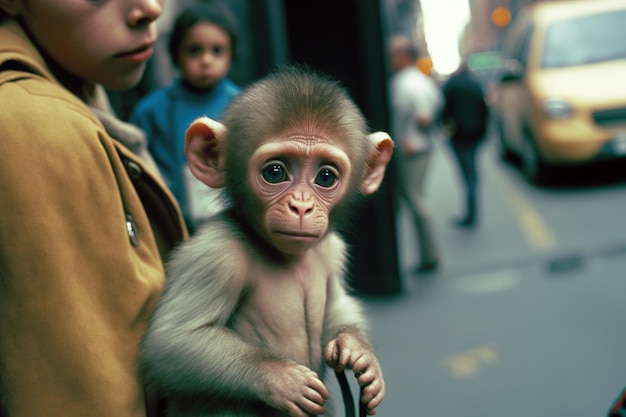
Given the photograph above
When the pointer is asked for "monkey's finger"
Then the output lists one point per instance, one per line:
(373, 395)
(365, 377)
(361, 364)
(318, 387)
(296, 411)
(373, 398)
(331, 353)
(316, 397)
(371, 408)
(345, 358)
(311, 407)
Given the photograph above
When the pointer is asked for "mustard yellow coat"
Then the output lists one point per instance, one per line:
(81, 258)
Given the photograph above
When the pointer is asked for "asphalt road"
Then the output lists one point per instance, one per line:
(526, 316)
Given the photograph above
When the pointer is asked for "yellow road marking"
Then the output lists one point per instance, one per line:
(468, 364)
(534, 228)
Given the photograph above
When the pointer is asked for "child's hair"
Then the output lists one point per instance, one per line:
(214, 12)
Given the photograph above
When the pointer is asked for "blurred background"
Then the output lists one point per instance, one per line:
(523, 317)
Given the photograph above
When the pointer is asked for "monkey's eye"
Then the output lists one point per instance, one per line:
(326, 178)
(274, 173)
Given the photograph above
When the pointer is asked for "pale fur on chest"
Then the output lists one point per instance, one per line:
(285, 307)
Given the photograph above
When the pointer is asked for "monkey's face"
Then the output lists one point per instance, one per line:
(298, 180)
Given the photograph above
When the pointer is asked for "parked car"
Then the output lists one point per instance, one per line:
(561, 99)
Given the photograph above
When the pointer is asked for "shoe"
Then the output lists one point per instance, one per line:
(427, 267)
(465, 222)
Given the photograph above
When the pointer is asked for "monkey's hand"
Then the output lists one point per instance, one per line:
(293, 388)
(349, 350)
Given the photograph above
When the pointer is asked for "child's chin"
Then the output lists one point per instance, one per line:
(124, 81)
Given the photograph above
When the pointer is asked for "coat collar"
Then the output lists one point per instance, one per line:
(16, 47)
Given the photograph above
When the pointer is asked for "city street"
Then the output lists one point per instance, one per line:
(525, 317)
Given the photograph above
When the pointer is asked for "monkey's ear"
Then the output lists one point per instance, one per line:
(204, 149)
(378, 160)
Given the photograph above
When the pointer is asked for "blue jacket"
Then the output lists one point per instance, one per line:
(165, 114)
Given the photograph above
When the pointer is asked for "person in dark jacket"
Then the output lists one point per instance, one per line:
(465, 117)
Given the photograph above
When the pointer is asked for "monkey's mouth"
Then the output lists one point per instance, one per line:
(296, 235)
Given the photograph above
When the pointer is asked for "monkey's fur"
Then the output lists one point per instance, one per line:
(255, 305)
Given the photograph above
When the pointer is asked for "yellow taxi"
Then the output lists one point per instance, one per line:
(561, 99)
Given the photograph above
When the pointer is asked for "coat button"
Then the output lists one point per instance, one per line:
(132, 231)
(133, 169)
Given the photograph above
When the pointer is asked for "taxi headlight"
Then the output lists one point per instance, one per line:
(556, 108)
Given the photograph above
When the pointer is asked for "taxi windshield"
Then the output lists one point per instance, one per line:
(585, 40)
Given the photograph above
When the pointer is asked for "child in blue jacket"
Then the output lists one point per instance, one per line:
(202, 45)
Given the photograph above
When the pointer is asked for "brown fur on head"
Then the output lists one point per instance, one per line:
(286, 99)
(294, 154)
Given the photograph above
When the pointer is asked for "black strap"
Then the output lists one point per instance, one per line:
(348, 400)
(618, 409)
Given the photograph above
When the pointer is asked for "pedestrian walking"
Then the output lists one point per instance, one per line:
(465, 118)
(416, 102)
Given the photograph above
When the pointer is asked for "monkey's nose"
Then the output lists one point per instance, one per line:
(301, 207)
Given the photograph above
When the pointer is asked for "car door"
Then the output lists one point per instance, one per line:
(513, 96)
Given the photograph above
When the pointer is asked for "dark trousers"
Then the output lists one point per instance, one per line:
(465, 149)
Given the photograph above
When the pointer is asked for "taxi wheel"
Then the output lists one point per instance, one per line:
(534, 169)
(504, 152)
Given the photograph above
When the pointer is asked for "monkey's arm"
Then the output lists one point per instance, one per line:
(187, 346)
(347, 344)
(343, 311)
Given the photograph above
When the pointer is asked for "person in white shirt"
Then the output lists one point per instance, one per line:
(416, 101)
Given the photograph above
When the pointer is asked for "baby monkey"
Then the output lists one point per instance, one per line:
(256, 305)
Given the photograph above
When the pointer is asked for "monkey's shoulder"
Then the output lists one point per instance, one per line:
(217, 246)
(216, 232)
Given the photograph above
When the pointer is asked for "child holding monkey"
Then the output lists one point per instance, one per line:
(202, 44)
(85, 225)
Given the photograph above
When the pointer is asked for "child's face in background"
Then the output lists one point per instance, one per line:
(205, 55)
(101, 41)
